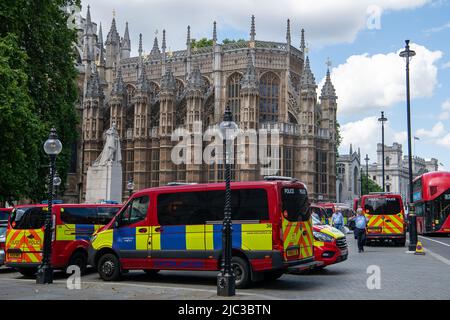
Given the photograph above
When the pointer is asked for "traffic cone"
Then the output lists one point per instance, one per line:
(419, 249)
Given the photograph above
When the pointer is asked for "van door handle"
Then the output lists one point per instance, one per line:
(387, 220)
(142, 230)
(159, 229)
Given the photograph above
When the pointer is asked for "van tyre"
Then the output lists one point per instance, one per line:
(241, 272)
(28, 272)
(79, 259)
(109, 267)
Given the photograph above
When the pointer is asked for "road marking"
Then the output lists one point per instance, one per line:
(264, 296)
(437, 256)
(443, 243)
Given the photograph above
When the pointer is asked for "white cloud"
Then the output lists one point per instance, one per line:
(368, 83)
(446, 65)
(326, 21)
(444, 141)
(366, 134)
(437, 131)
(445, 114)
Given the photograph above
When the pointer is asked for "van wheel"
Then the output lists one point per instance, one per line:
(151, 272)
(79, 259)
(109, 267)
(241, 272)
(28, 272)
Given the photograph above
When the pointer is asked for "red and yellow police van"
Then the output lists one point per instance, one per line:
(386, 217)
(180, 228)
(73, 226)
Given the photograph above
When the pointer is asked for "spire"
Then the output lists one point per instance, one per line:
(351, 149)
(100, 35)
(89, 28)
(195, 81)
(214, 32)
(307, 80)
(155, 50)
(328, 90)
(94, 90)
(113, 35)
(141, 84)
(140, 45)
(288, 33)
(126, 38)
(249, 80)
(100, 46)
(163, 46)
(188, 37)
(168, 80)
(302, 42)
(252, 29)
(118, 85)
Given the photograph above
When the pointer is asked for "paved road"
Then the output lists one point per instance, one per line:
(403, 276)
(437, 244)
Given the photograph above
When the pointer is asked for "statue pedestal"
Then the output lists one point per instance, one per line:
(104, 182)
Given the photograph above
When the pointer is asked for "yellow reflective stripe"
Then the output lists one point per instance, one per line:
(104, 239)
(257, 236)
(65, 232)
(142, 238)
(209, 237)
(195, 237)
(156, 239)
(318, 243)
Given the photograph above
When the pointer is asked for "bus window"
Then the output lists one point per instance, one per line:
(28, 218)
(295, 203)
(382, 205)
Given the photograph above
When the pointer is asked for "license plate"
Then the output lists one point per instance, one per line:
(292, 252)
(15, 255)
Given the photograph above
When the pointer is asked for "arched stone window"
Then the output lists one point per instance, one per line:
(179, 85)
(269, 94)
(154, 90)
(233, 92)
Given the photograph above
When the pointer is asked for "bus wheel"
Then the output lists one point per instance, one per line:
(28, 272)
(241, 271)
(151, 272)
(109, 267)
(79, 259)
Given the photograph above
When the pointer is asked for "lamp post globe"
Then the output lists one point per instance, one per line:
(130, 186)
(226, 285)
(52, 147)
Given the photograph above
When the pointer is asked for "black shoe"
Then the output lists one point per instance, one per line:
(359, 251)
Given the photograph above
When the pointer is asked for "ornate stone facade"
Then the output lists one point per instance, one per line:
(268, 85)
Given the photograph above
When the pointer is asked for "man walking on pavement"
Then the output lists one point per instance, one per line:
(337, 220)
(360, 229)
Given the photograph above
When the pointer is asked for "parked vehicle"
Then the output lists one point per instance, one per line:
(74, 225)
(179, 227)
(330, 244)
(3, 228)
(4, 214)
(386, 217)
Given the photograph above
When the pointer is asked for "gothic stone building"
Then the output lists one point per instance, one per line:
(268, 85)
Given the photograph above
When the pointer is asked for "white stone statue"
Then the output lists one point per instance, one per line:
(111, 150)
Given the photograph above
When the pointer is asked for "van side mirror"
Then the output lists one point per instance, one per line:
(116, 223)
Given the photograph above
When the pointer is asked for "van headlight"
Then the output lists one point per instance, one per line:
(319, 236)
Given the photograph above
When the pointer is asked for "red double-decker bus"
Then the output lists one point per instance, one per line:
(431, 196)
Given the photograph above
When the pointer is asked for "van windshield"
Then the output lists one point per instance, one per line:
(382, 205)
(295, 204)
(28, 218)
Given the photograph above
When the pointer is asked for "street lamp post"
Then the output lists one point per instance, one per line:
(52, 148)
(226, 278)
(130, 186)
(56, 184)
(367, 172)
(407, 54)
(382, 120)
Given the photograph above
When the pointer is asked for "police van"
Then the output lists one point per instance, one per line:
(179, 227)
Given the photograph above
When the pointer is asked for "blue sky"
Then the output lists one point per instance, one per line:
(368, 75)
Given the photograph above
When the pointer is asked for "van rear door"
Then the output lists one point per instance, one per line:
(296, 224)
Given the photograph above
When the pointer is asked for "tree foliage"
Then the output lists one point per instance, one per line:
(228, 41)
(373, 186)
(201, 43)
(40, 29)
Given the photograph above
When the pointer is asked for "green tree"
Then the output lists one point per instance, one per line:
(42, 33)
(203, 42)
(373, 186)
(228, 41)
(19, 126)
